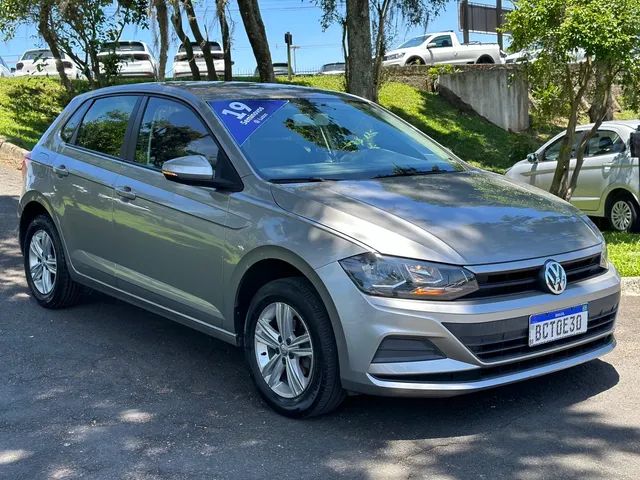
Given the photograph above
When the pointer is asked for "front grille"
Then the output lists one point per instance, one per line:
(509, 339)
(527, 279)
(488, 373)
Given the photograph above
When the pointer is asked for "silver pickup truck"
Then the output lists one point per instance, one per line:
(442, 48)
(609, 182)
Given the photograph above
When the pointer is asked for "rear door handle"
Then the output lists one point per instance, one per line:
(61, 171)
(126, 192)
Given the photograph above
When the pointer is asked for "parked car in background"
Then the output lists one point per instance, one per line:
(342, 248)
(5, 71)
(40, 63)
(442, 48)
(609, 181)
(181, 68)
(533, 54)
(279, 69)
(337, 68)
(133, 59)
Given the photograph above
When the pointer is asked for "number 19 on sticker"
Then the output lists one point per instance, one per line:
(236, 110)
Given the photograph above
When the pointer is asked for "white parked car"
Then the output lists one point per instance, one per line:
(181, 66)
(280, 69)
(609, 181)
(532, 55)
(337, 68)
(40, 63)
(5, 71)
(134, 58)
(442, 48)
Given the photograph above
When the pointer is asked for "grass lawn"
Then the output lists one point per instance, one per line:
(624, 252)
(28, 105)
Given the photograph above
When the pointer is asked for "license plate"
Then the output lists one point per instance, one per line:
(551, 326)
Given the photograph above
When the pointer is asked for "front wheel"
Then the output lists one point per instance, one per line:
(291, 349)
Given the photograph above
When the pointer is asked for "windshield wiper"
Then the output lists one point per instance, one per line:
(302, 180)
(413, 174)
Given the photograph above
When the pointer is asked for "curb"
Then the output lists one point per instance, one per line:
(11, 154)
(631, 286)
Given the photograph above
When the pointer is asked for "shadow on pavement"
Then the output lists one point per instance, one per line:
(107, 390)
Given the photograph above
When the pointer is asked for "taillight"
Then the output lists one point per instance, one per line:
(19, 65)
(26, 158)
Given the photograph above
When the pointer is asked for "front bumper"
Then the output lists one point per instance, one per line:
(366, 321)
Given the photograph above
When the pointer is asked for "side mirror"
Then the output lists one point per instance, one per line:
(533, 158)
(195, 170)
(432, 45)
(634, 144)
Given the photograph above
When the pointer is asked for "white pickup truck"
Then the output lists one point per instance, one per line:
(442, 48)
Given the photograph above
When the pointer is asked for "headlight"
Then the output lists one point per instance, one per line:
(405, 278)
(394, 56)
(604, 257)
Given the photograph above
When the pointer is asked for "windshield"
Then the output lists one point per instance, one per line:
(329, 138)
(37, 55)
(414, 42)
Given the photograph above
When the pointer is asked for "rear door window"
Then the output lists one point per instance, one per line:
(104, 127)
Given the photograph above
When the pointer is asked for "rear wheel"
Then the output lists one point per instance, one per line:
(291, 349)
(623, 214)
(45, 266)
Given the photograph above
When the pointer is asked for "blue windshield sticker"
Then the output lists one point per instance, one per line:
(243, 117)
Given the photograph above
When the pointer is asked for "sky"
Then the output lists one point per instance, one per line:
(300, 17)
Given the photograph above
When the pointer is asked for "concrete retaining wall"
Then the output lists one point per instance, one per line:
(498, 93)
(10, 153)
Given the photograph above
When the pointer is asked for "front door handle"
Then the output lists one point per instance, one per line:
(61, 171)
(126, 192)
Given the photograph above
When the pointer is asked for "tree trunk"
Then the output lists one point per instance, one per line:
(176, 20)
(253, 25)
(382, 11)
(44, 28)
(221, 6)
(599, 112)
(360, 79)
(203, 42)
(560, 184)
(345, 52)
(163, 26)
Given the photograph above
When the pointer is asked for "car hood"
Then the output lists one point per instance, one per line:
(466, 218)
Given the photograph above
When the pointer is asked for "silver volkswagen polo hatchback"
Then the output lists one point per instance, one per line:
(341, 248)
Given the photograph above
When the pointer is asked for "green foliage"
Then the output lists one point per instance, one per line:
(624, 252)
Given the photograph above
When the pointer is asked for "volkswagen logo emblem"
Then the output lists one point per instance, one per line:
(554, 278)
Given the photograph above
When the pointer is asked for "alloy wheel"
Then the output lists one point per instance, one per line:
(42, 262)
(621, 215)
(283, 350)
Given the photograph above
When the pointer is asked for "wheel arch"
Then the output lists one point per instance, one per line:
(33, 204)
(617, 191)
(485, 58)
(268, 263)
(415, 57)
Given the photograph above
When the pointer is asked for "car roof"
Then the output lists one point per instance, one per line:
(220, 90)
(632, 124)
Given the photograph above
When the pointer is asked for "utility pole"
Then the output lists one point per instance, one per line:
(288, 39)
(499, 23)
(464, 7)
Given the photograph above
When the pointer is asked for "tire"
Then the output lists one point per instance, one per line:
(322, 391)
(415, 61)
(61, 291)
(622, 214)
(485, 61)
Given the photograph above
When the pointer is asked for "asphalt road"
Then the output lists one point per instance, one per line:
(108, 391)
